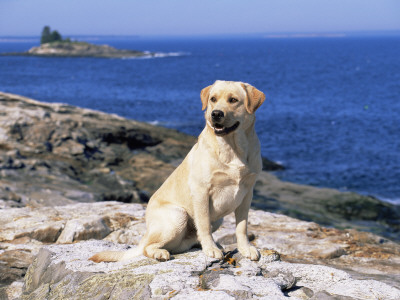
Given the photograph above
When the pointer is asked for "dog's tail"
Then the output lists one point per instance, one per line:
(113, 256)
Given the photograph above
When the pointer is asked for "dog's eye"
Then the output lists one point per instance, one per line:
(233, 100)
(213, 99)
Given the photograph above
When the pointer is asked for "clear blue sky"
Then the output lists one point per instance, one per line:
(195, 17)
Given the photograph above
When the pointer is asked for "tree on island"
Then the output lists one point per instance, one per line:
(49, 36)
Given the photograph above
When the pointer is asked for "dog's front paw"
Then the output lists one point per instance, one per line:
(213, 252)
(250, 252)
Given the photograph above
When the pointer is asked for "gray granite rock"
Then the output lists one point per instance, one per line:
(65, 272)
(303, 272)
(56, 154)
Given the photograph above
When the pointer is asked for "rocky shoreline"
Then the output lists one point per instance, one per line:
(80, 49)
(59, 164)
(45, 254)
(55, 154)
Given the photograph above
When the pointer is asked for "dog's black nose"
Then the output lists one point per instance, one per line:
(217, 115)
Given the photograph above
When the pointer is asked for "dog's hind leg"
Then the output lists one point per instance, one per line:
(191, 240)
(165, 232)
(155, 251)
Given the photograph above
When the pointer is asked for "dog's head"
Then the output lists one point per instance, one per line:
(230, 105)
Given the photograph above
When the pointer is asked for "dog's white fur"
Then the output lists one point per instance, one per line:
(216, 178)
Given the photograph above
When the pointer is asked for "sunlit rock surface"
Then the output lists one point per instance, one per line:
(299, 258)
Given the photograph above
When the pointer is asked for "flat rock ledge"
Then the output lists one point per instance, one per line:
(44, 255)
(64, 272)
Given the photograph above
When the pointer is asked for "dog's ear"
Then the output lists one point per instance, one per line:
(205, 93)
(254, 98)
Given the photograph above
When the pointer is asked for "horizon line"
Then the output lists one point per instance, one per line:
(272, 34)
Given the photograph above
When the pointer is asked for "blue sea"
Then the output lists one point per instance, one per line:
(331, 117)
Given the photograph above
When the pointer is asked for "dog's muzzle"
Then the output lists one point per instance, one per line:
(221, 130)
(217, 118)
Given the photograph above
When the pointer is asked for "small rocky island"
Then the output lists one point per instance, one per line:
(53, 45)
(82, 49)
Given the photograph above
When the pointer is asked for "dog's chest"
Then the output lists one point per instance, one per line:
(228, 189)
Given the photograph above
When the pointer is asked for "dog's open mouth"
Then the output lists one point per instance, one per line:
(221, 130)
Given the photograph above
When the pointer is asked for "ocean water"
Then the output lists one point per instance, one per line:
(331, 116)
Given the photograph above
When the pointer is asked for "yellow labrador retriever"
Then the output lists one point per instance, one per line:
(216, 178)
